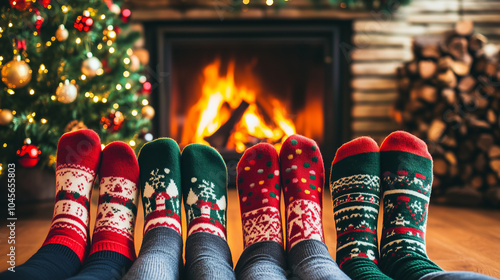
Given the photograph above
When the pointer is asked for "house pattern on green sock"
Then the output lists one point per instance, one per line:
(356, 204)
(206, 208)
(406, 201)
(162, 203)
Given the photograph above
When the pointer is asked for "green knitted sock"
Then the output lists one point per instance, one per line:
(406, 168)
(160, 176)
(204, 189)
(355, 189)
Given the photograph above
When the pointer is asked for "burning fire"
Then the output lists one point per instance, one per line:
(225, 108)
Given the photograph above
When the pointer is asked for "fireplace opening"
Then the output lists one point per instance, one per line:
(233, 85)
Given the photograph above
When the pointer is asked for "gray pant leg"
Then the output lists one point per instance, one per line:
(160, 256)
(262, 260)
(310, 259)
(207, 257)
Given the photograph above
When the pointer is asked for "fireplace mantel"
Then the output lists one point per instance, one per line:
(160, 10)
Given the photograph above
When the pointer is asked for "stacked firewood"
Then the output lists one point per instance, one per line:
(450, 96)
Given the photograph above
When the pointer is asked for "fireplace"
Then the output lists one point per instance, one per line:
(232, 84)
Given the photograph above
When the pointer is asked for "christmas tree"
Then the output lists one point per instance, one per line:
(67, 65)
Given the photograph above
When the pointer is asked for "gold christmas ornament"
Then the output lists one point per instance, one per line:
(135, 63)
(66, 92)
(62, 33)
(16, 73)
(90, 66)
(148, 112)
(75, 125)
(143, 55)
(5, 116)
(115, 9)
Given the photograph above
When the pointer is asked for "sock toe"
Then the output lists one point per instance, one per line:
(160, 175)
(204, 189)
(356, 146)
(119, 160)
(405, 142)
(82, 147)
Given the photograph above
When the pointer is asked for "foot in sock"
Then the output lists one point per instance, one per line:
(112, 251)
(78, 159)
(161, 184)
(160, 175)
(302, 175)
(406, 168)
(204, 190)
(355, 189)
(66, 245)
(259, 192)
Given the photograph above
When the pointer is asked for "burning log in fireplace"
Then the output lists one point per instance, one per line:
(221, 136)
(232, 117)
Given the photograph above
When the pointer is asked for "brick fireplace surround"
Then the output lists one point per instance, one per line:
(381, 42)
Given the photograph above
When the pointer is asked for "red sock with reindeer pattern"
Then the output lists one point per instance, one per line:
(303, 176)
(259, 191)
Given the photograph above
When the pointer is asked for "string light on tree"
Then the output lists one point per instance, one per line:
(16, 73)
(66, 92)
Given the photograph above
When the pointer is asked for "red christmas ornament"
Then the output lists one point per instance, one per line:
(84, 22)
(113, 122)
(44, 3)
(125, 15)
(29, 155)
(38, 20)
(147, 88)
(21, 44)
(21, 5)
(105, 66)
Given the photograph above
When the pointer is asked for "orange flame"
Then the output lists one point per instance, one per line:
(220, 96)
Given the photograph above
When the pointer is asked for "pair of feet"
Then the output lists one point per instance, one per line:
(79, 162)
(398, 176)
(262, 174)
(198, 176)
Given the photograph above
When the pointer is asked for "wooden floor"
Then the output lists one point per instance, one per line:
(457, 238)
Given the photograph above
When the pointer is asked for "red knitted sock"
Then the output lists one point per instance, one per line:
(78, 158)
(118, 194)
(303, 177)
(259, 191)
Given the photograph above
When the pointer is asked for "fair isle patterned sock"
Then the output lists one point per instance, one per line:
(406, 168)
(159, 162)
(118, 194)
(204, 189)
(355, 189)
(259, 191)
(303, 176)
(78, 158)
